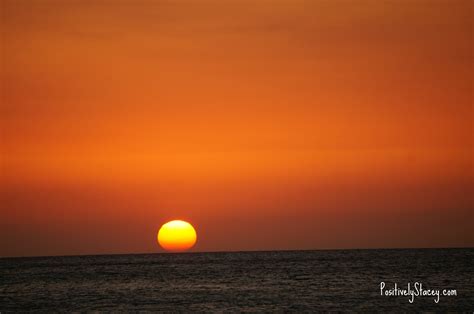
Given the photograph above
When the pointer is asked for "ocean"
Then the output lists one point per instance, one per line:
(242, 281)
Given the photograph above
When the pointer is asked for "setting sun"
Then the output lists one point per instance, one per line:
(177, 236)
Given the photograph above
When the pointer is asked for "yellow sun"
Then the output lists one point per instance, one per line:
(177, 236)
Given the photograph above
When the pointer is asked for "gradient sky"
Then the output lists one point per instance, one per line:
(268, 124)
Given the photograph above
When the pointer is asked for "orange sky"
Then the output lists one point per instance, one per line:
(272, 124)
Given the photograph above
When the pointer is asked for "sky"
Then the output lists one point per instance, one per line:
(267, 124)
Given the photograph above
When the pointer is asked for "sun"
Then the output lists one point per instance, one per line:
(177, 236)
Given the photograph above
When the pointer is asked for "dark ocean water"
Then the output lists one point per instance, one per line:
(238, 281)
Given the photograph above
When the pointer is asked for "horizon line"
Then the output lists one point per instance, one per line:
(239, 251)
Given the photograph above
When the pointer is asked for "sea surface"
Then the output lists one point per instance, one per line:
(344, 280)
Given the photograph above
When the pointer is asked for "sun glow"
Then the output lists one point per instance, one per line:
(177, 236)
